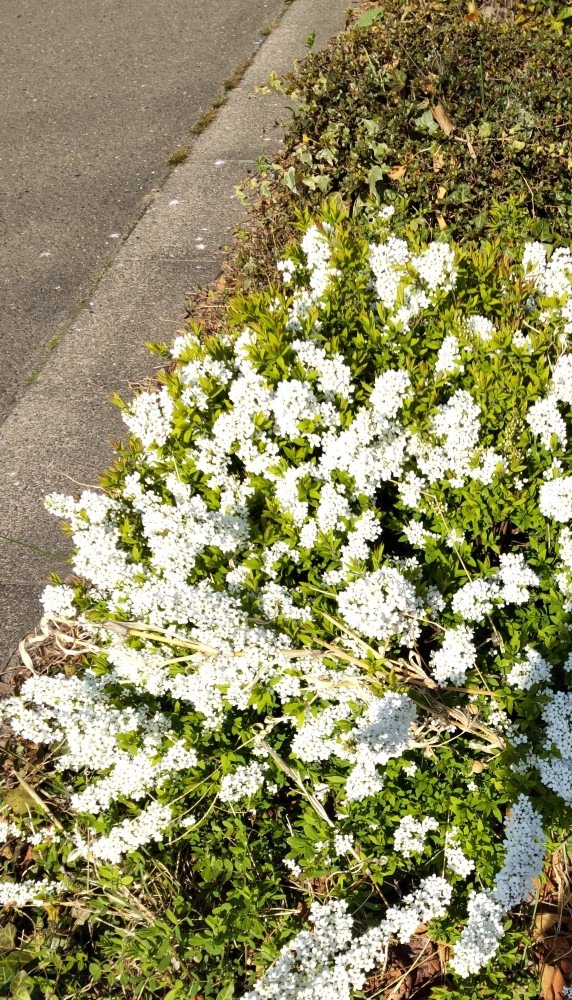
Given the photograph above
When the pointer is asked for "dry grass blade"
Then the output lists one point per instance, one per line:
(141, 630)
(281, 763)
(31, 792)
(467, 724)
(24, 654)
(367, 648)
(442, 119)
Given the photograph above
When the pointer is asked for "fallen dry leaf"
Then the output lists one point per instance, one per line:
(396, 173)
(441, 221)
(543, 924)
(546, 990)
(442, 119)
(438, 162)
(471, 149)
(558, 983)
(441, 193)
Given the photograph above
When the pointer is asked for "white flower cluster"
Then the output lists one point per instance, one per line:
(561, 385)
(435, 271)
(381, 732)
(58, 600)
(455, 858)
(474, 600)
(481, 326)
(316, 739)
(334, 375)
(46, 833)
(293, 867)
(552, 277)
(275, 600)
(329, 963)
(564, 577)
(11, 831)
(343, 842)
(27, 892)
(507, 585)
(522, 341)
(316, 247)
(524, 855)
(388, 261)
(8, 830)
(555, 498)
(77, 712)
(192, 375)
(481, 935)
(545, 420)
(242, 783)
(243, 654)
(149, 417)
(417, 534)
(457, 655)
(133, 775)
(544, 417)
(128, 835)
(99, 555)
(534, 669)
(382, 605)
(409, 837)
(448, 358)
(555, 763)
(516, 577)
(457, 426)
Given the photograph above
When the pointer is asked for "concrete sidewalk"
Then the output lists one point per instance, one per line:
(58, 436)
(93, 104)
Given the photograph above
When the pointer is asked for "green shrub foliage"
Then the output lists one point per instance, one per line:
(366, 123)
(323, 609)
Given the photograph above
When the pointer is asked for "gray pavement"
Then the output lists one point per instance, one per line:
(94, 97)
(57, 434)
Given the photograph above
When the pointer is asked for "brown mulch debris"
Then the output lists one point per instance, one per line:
(552, 929)
(412, 970)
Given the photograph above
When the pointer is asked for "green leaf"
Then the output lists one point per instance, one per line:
(369, 17)
(564, 14)
(289, 179)
(375, 175)
(19, 987)
(95, 971)
(426, 123)
(459, 195)
(8, 937)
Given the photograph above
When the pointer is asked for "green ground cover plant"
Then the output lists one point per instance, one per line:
(365, 123)
(319, 638)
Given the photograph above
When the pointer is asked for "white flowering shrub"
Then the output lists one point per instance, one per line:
(325, 605)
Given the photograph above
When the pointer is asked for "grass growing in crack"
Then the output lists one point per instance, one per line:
(179, 155)
(208, 115)
(236, 76)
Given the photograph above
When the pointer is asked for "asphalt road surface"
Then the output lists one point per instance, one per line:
(94, 96)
